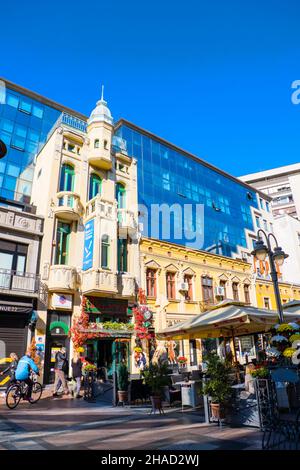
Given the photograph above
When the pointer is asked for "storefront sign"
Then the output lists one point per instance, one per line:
(15, 308)
(62, 301)
(88, 245)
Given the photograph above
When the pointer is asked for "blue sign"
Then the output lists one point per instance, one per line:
(88, 245)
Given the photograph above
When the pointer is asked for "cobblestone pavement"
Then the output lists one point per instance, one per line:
(66, 423)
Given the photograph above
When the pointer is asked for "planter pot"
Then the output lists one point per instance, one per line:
(122, 396)
(217, 411)
(156, 402)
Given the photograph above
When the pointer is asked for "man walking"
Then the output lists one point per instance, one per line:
(59, 368)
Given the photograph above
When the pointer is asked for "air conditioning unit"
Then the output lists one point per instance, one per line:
(220, 291)
(183, 286)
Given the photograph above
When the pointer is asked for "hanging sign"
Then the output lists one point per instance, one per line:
(88, 245)
(62, 301)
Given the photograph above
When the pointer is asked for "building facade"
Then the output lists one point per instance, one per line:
(88, 193)
(282, 185)
(228, 209)
(20, 238)
(180, 282)
(266, 297)
(25, 121)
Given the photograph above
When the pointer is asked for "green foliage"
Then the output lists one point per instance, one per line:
(260, 373)
(155, 376)
(122, 377)
(218, 385)
(113, 325)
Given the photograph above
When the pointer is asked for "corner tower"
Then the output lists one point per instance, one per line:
(100, 131)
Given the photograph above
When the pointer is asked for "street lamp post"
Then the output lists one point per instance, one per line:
(277, 255)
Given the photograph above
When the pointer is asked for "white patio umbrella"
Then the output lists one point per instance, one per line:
(226, 319)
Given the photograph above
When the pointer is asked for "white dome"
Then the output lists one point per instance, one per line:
(101, 113)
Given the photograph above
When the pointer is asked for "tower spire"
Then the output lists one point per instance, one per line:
(102, 92)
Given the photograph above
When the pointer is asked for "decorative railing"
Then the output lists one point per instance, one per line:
(127, 219)
(126, 285)
(100, 207)
(62, 277)
(70, 121)
(99, 280)
(18, 281)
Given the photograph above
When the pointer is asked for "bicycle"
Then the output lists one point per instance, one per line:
(18, 390)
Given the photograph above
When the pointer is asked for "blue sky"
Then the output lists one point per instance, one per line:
(212, 77)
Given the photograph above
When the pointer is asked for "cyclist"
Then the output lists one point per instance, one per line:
(11, 369)
(24, 368)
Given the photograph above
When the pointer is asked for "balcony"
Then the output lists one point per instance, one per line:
(15, 282)
(127, 223)
(68, 206)
(100, 158)
(98, 206)
(99, 281)
(62, 278)
(126, 285)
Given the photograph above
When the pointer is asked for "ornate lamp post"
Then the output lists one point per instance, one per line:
(3, 149)
(277, 255)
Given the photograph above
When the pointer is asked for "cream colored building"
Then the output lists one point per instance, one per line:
(87, 189)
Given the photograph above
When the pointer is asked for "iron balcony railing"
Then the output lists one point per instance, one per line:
(19, 281)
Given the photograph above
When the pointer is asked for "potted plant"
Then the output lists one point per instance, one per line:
(122, 380)
(155, 376)
(218, 385)
(182, 361)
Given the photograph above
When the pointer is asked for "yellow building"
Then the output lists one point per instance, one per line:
(181, 282)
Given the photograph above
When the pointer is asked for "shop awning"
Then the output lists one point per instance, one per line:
(15, 307)
(227, 319)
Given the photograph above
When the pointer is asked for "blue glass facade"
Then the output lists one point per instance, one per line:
(166, 175)
(24, 125)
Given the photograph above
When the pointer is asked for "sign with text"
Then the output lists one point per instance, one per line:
(88, 245)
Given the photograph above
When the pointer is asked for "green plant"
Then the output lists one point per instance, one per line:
(122, 377)
(218, 385)
(260, 373)
(155, 376)
(112, 325)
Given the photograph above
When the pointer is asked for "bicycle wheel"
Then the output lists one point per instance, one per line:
(36, 392)
(13, 396)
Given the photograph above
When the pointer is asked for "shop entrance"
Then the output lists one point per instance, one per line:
(108, 353)
(54, 345)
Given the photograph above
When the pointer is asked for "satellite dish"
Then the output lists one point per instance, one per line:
(3, 149)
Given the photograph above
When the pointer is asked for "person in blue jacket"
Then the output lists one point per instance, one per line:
(24, 368)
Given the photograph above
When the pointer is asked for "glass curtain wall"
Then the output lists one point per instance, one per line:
(169, 176)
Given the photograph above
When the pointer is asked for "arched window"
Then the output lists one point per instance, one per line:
(122, 254)
(121, 196)
(96, 144)
(105, 251)
(95, 186)
(67, 178)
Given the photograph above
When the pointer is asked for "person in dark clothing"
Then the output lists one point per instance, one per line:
(11, 369)
(59, 369)
(77, 373)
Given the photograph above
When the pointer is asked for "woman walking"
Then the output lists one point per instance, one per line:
(77, 373)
